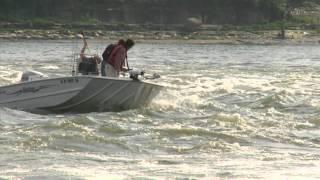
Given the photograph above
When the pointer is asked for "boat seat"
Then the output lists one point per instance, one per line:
(88, 67)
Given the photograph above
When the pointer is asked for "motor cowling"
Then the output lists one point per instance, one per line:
(31, 75)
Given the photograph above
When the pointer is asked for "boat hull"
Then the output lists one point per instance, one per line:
(78, 94)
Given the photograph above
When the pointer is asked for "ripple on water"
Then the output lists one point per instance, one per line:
(222, 108)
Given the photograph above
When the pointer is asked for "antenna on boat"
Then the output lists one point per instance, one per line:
(74, 57)
(73, 62)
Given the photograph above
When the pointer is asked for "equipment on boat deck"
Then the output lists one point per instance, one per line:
(88, 66)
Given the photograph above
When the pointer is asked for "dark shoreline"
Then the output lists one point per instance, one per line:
(263, 37)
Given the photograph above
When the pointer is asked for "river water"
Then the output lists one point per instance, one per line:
(227, 111)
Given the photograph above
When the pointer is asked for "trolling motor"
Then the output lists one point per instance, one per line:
(134, 74)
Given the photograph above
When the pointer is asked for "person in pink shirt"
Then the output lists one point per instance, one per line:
(117, 60)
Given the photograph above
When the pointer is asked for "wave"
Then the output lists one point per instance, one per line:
(189, 93)
(315, 121)
(112, 129)
(276, 100)
(9, 76)
(50, 67)
(16, 117)
(230, 120)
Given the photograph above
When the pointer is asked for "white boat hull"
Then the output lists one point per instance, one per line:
(77, 94)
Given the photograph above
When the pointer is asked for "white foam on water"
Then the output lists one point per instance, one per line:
(50, 67)
(83, 171)
(231, 119)
(9, 76)
(11, 116)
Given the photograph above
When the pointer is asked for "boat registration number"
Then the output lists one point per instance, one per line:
(69, 80)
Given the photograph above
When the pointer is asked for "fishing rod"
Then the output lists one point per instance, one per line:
(85, 42)
(73, 61)
(74, 54)
(73, 58)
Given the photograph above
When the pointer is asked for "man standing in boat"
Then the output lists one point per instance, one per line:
(117, 60)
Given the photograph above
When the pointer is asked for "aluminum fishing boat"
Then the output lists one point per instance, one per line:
(76, 94)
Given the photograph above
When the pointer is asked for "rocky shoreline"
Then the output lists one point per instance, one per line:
(203, 36)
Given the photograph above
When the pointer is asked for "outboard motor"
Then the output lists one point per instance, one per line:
(31, 75)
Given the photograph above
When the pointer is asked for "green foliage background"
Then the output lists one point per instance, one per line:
(233, 12)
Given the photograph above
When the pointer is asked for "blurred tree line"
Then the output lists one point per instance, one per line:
(235, 12)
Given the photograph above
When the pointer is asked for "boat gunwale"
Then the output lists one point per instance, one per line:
(80, 76)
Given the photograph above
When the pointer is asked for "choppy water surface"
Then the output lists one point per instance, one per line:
(228, 111)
